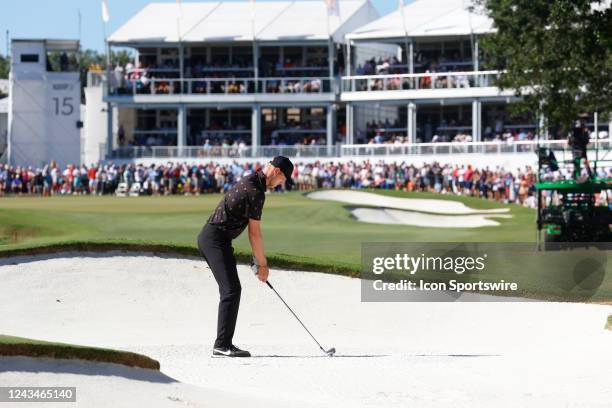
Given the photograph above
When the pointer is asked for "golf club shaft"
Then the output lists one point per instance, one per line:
(298, 319)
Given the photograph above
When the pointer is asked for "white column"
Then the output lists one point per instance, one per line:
(476, 119)
(109, 130)
(350, 127)
(330, 53)
(475, 56)
(411, 57)
(109, 107)
(330, 128)
(348, 58)
(256, 65)
(181, 126)
(255, 126)
(411, 125)
(181, 52)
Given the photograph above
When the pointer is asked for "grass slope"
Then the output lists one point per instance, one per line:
(299, 233)
(21, 346)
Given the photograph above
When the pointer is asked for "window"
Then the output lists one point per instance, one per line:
(29, 57)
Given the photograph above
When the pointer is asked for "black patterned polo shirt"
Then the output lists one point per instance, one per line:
(243, 201)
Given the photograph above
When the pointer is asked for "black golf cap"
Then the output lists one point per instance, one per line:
(285, 165)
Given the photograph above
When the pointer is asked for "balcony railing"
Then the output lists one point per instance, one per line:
(496, 147)
(297, 85)
(226, 86)
(431, 80)
(338, 151)
(201, 152)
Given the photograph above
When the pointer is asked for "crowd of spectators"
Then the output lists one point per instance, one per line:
(299, 140)
(289, 67)
(427, 80)
(393, 132)
(221, 76)
(293, 132)
(390, 64)
(429, 67)
(381, 66)
(218, 132)
(499, 184)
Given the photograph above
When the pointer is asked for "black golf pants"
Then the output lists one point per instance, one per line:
(217, 250)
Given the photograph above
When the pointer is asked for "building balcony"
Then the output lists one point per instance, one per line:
(223, 90)
(423, 86)
(222, 152)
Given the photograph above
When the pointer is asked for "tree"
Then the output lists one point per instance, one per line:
(89, 58)
(557, 55)
(5, 67)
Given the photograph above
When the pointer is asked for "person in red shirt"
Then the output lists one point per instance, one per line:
(91, 176)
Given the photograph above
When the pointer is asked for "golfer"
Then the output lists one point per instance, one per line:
(242, 205)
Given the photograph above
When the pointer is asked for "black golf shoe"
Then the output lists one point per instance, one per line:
(231, 351)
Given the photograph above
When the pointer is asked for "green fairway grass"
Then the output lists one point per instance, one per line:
(293, 225)
(299, 232)
(21, 346)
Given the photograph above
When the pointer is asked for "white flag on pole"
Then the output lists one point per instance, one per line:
(253, 18)
(180, 8)
(333, 7)
(105, 15)
(400, 5)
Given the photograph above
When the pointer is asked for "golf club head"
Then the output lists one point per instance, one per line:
(331, 352)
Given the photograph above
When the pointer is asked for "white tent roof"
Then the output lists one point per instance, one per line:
(427, 18)
(232, 21)
(4, 105)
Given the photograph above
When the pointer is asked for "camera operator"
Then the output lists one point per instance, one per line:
(578, 141)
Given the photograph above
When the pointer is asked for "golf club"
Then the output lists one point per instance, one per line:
(331, 351)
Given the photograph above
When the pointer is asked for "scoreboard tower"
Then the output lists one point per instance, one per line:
(44, 118)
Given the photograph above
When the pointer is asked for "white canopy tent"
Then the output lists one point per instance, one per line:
(427, 18)
(300, 20)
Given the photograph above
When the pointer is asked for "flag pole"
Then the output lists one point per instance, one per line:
(180, 45)
(109, 108)
(254, 45)
(406, 41)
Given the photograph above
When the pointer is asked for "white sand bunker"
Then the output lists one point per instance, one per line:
(395, 217)
(448, 207)
(412, 211)
(389, 354)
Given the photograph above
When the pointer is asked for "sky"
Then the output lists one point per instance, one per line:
(60, 18)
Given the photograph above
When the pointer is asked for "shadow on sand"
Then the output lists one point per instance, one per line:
(81, 367)
(377, 355)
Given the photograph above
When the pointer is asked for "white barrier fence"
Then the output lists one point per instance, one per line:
(417, 149)
(354, 83)
(194, 86)
(200, 152)
(362, 150)
(429, 80)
